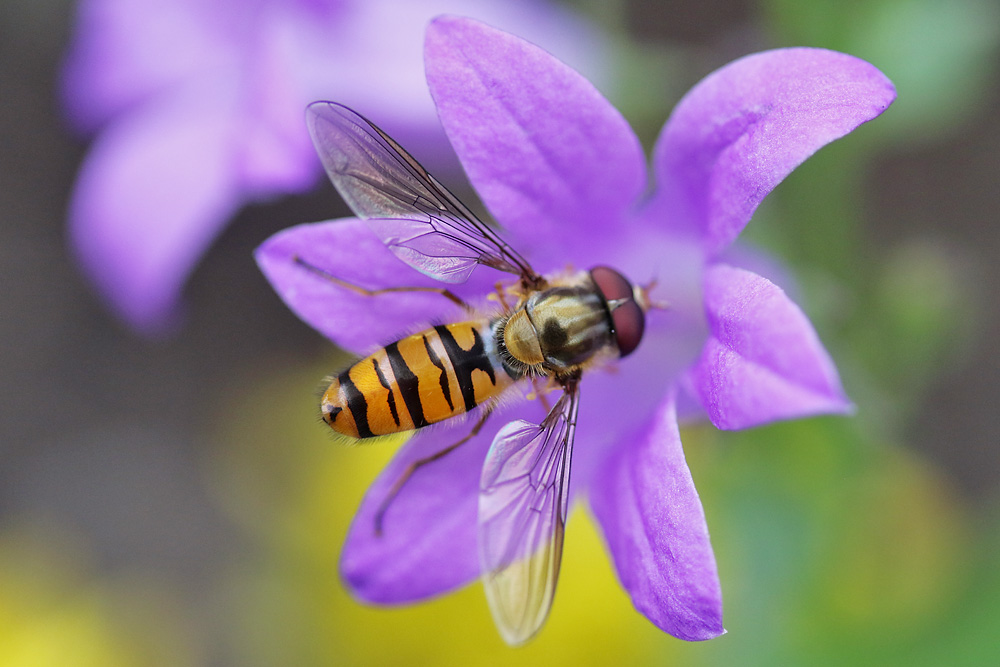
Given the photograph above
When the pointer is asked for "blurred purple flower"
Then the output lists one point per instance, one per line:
(197, 106)
(564, 174)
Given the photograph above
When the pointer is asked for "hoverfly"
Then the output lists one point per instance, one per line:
(550, 329)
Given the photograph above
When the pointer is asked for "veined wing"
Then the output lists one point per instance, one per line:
(523, 503)
(423, 223)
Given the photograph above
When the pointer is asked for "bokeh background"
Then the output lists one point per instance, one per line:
(172, 501)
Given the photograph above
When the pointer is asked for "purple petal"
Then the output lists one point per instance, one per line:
(758, 260)
(347, 249)
(124, 51)
(546, 152)
(762, 361)
(740, 131)
(655, 527)
(631, 390)
(257, 65)
(276, 152)
(375, 42)
(143, 210)
(428, 540)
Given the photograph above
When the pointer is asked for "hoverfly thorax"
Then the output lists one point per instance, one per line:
(562, 329)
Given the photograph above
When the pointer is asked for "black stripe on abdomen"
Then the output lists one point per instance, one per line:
(466, 361)
(409, 389)
(357, 404)
(385, 385)
(443, 377)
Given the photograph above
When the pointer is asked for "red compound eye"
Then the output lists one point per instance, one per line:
(628, 318)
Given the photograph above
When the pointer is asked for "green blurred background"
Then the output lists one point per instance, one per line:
(175, 503)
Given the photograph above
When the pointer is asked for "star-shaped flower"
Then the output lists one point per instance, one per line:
(565, 176)
(196, 108)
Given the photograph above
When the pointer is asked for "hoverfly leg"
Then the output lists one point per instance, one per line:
(540, 394)
(419, 463)
(501, 297)
(448, 294)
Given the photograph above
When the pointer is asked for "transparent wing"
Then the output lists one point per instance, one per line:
(523, 502)
(423, 223)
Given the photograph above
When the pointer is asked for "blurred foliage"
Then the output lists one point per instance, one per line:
(939, 53)
(54, 612)
(893, 317)
(898, 573)
(832, 544)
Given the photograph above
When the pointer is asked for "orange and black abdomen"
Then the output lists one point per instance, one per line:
(420, 380)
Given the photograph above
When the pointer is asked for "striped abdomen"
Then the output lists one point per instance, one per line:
(422, 379)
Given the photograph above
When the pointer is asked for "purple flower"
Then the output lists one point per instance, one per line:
(565, 176)
(196, 106)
